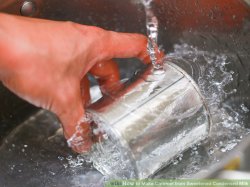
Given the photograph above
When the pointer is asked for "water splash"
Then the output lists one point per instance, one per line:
(108, 155)
(215, 78)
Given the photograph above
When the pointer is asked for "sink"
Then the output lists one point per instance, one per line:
(208, 39)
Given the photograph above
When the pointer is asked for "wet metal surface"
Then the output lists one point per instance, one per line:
(154, 113)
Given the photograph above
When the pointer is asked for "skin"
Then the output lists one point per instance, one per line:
(46, 62)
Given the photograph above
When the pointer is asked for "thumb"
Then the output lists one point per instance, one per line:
(70, 110)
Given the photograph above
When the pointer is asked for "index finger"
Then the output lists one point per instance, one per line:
(126, 45)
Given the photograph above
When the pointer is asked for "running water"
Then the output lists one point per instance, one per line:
(152, 32)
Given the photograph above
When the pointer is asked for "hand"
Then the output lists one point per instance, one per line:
(45, 63)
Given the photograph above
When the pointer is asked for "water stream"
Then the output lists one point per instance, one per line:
(152, 32)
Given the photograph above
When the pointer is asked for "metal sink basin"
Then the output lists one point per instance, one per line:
(209, 39)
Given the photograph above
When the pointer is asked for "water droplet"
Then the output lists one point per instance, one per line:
(223, 149)
(211, 151)
(52, 173)
(244, 108)
(60, 158)
(69, 157)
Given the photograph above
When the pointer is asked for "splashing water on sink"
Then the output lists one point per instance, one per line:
(108, 155)
(214, 78)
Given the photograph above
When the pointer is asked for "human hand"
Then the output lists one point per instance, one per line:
(46, 62)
